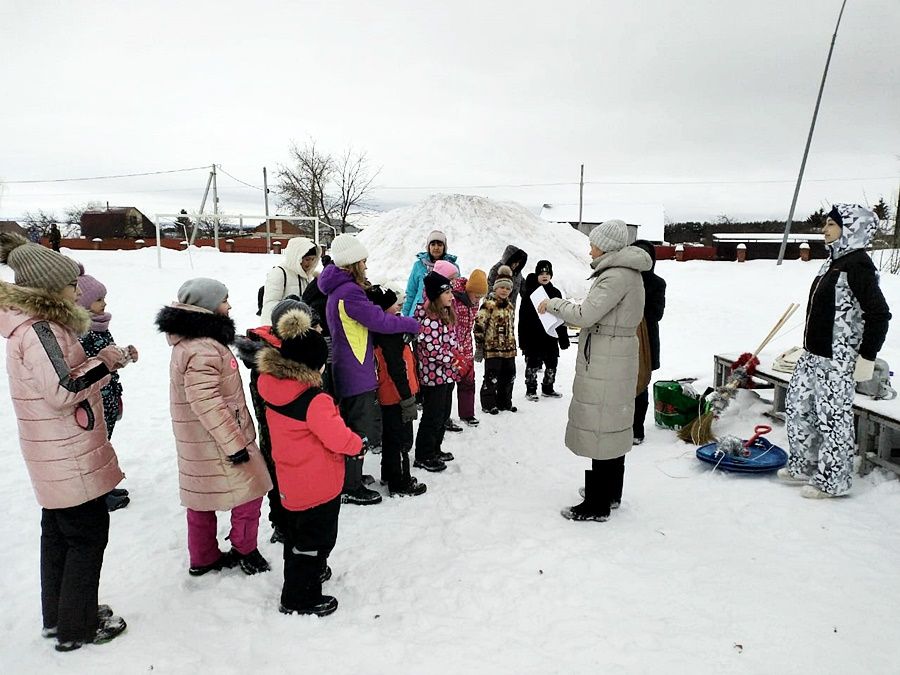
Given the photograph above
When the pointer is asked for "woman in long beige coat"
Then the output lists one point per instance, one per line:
(220, 467)
(606, 369)
(55, 392)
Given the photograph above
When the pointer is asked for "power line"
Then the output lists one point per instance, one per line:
(121, 175)
(255, 187)
(626, 182)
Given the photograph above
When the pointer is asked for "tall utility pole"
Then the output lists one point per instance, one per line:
(202, 206)
(215, 209)
(580, 196)
(266, 195)
(787, 226)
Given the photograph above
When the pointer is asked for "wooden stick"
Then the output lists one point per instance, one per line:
(778, 326)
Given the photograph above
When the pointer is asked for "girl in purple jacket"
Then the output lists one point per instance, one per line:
(350, 316)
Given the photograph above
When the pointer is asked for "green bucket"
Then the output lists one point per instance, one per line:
(674, 408)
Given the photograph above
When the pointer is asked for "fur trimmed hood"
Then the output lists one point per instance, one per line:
(36, 303)
(271, 362)
(180, 321)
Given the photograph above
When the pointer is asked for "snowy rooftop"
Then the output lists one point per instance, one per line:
(650, 218)
(765, 236)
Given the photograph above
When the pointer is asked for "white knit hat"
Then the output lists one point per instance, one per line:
(610, 235)
(347, 249)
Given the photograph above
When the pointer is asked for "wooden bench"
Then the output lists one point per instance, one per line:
(877, 422)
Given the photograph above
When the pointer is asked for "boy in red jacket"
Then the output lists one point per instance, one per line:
(309, 443)
(397, 389)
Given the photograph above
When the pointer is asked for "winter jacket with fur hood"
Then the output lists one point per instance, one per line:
(847, 315)
(289, 278)
(513, 257)
(601, 412)
(209, 414)
(351, 315)
(55, 391)
(309, 438)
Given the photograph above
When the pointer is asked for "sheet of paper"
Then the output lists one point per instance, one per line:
(550, 322)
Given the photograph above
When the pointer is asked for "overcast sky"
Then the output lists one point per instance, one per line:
(450, 95)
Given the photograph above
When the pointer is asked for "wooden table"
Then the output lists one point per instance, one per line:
(877, 422)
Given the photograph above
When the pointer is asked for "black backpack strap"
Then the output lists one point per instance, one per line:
(297, 408)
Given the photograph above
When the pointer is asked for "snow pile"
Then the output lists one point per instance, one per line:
(478, 230)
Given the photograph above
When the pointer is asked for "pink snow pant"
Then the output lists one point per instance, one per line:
(465, 395)
(202, 527)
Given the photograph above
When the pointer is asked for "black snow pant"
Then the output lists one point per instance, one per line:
(396, 442)
(610, 477)
(310, 536)
(533, 364)
(641, 403)
(436, 404)
(72, 544)
(276, 510)
(363, 415)
(497, 387)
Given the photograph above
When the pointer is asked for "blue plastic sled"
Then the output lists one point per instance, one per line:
(764, 458)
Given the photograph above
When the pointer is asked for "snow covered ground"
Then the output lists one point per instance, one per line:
(697, 572)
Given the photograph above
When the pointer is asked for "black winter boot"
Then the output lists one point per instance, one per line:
(547, 384)
(253, 562)
(595, 505)
(531, 384)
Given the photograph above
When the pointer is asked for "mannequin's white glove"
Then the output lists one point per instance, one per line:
(864, 370)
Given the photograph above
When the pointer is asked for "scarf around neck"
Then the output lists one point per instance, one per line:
(100, 322)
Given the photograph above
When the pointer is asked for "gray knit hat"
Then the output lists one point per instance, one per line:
(610, 235)
(36, 266)
(203, 292)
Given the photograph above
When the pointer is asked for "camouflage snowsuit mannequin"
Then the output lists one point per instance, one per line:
(846, 324)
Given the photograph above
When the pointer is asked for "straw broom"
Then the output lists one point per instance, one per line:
(699, 431)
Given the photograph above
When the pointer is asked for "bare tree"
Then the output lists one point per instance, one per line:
(356, 180)
(316, 184)
(38, 224)
(73, 217)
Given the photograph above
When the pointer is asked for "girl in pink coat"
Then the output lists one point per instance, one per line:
(220, 467)
(55, 392)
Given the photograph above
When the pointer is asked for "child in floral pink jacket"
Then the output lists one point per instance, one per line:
(436, 353)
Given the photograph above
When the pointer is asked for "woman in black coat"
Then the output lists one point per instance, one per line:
(539, 348)
(654, 307)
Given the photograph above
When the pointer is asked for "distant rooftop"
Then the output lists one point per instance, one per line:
(765, 236)
(650, 218)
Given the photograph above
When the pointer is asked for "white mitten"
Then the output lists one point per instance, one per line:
(864, 370)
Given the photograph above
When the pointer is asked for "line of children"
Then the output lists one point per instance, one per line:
(309, 444)
(220, 468)
(55, 391)
(495, 343)
(93, 298)
(540, 348)
(438, 361)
